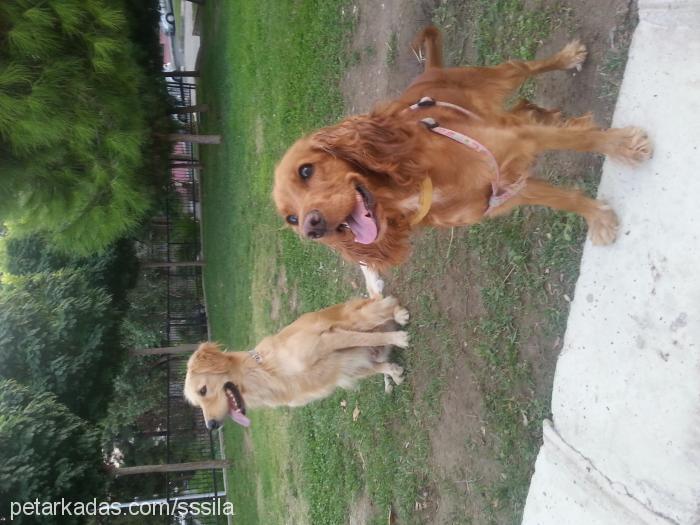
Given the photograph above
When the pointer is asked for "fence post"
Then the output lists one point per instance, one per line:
(177, 74)
(195, 139)
(166, 350)
(179, 264)
(198, 108)
(186, 165)
(173, 467)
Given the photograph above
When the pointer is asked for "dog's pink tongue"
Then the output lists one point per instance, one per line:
(239, 418)
(362, 223)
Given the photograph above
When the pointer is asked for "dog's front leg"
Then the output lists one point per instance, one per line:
(340, 339)
(363, 316)
(629, 144)
(601, 219)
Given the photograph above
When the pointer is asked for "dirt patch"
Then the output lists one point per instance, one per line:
(361, 510)
(278, 292)
(462, 458)
(461, 428)
(382, 64)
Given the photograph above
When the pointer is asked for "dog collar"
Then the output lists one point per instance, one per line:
(425, 200)
(255, 355)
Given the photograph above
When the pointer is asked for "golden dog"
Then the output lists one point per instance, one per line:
(306, 361)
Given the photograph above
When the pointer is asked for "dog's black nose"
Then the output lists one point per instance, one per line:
(212, 424)
(314, 225)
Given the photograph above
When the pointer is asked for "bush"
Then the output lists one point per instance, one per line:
(77, 119)
(46, 452)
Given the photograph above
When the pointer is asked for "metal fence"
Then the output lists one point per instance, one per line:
(177, 432)
(187, 438)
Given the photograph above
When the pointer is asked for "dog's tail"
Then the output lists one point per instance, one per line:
(431, 40)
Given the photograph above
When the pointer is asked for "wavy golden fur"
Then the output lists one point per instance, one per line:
(384, 156)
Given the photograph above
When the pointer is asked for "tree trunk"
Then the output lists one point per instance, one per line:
(198, 108)
(173, 467)
(182, 349)
(166, 264)
(197, 139)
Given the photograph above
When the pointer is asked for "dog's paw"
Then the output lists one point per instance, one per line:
(401, 315)
(400, 339)
(632, 145)
(396, 374)
(573, 55)
(602, 228)
(388, 385)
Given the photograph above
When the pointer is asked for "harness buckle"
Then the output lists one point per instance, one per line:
(429, 123)
(425, 102)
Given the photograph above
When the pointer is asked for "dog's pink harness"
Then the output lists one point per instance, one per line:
(499, 194)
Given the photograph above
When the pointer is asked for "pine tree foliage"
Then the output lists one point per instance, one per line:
(76, 118)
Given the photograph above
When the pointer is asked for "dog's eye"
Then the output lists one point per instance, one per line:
(203, 391)
(305, 171)
(293, 219)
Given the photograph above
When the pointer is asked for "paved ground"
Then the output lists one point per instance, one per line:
(624, 445)
(186, 44)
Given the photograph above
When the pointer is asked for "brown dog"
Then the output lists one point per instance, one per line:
(363, 185)
(307, 360)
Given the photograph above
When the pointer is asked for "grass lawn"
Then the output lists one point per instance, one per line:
(271, 72)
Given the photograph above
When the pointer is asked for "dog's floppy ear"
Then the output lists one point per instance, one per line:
(208, 359)
(378, 143)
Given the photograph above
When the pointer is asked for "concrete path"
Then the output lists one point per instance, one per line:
(624, 444)
(186, 44)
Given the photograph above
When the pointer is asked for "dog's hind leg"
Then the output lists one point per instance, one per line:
(429, 39)
(502, 80)
(527, 112)
(515, 72)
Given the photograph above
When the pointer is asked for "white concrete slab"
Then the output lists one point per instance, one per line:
(626, 396)
(191, 41)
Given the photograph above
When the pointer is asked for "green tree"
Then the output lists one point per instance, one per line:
(146, 376)
(46, 452)
(55, 333)
(77, 118)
